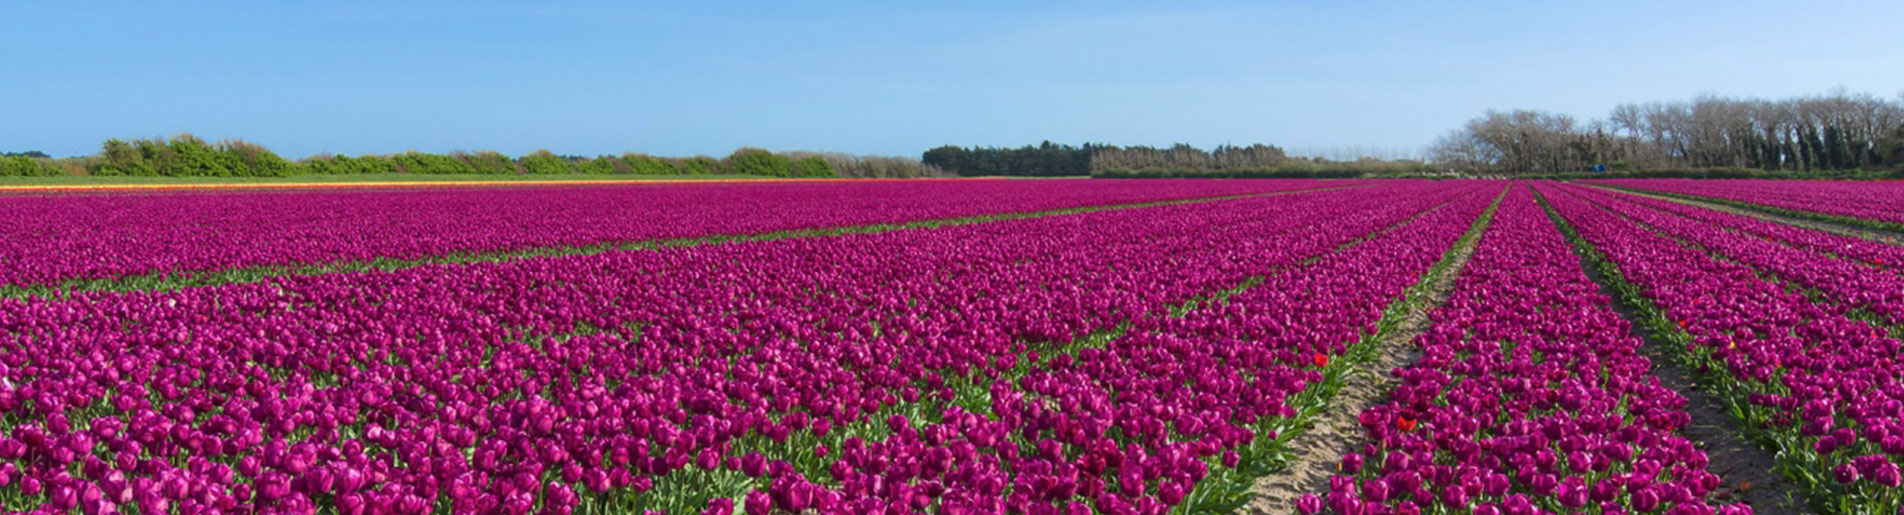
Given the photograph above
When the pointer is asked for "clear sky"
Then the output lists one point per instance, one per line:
(895, 78)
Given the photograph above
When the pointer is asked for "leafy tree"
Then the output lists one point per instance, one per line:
(1891, 148)
(1045, 159)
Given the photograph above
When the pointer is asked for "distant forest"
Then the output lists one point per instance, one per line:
(1180, 160)
(1834, 134)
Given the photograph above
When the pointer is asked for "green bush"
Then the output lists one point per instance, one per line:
(544, 163)
(598, 165)
(488, 162)
(434, 164)
(322, 165)
(813, 166)
(253, 160)
(118, 157)
(19, 166)
(187, 156)
(346, 165)
(700, 165)
(754, 161)
(643, 164)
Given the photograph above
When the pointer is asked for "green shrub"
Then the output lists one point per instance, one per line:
(194, 158)
(372, 164)
(435, 164)
(813, 166)
(544, 163)
(249, 159)
(488, 162)
(643, 164)
(597, 166)
(19, 166)
(700, 165)
(346, 165)
(118, 157)
(754, 161)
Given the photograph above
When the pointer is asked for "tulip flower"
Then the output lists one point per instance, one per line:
(1309, 504)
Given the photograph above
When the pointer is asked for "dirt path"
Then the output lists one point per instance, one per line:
(1816, 225)
(1315, 454)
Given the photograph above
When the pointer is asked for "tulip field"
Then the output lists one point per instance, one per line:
(961, 347)
(146, 234)
(1878, 204)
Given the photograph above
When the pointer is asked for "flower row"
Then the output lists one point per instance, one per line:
(51, 238)
(1881, 201)
(1791, 253)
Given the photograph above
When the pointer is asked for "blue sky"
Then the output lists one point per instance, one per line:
(890, 77)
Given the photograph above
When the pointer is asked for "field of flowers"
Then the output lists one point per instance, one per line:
(1530, 397)
(1879, 204)
(50, 238)
(1036, 347)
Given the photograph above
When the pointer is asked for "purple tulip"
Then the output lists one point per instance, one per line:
(1887, 475)
(758, 503)
(1845, 474)
(1309, 504)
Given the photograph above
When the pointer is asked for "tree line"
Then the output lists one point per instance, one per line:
(1257, 160)
(1179, 160)
(1045, 159)
(1831, 132)
(186, 155)
(1707, 136)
